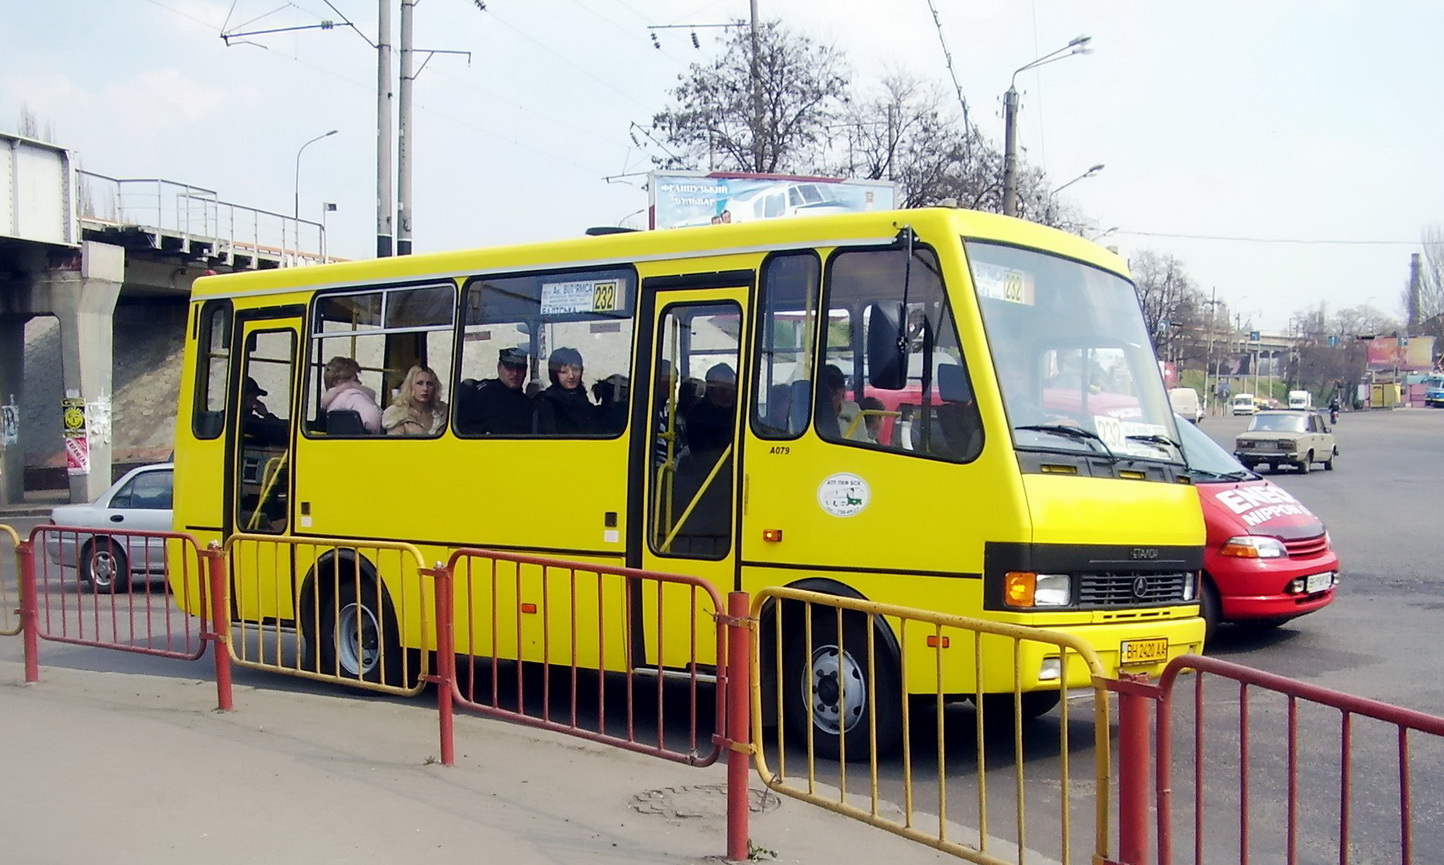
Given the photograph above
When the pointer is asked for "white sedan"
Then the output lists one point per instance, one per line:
(139, 501)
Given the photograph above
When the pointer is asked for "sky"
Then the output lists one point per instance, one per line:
(1287, 153)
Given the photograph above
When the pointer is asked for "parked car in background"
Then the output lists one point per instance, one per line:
(1434, 391)
(1186, 403)
(1267, 559)
(1285, 437)
(1242, 403)
(139, 501)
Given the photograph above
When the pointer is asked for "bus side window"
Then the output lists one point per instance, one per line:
(575, 329)
(213, 365)
(786, 333)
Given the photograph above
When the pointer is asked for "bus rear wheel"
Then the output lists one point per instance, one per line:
(358, 637)
(826, 688)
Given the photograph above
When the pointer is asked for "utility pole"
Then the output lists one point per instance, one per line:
(383, 131)
(756, 91)
(403, 138)
(1416, 283)
(1208, 358)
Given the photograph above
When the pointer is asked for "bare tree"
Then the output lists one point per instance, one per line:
(1172, 305)
(800, 88)
(1430, 313)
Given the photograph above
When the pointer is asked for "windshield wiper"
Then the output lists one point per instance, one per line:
(1072, 431)
(1155, 438)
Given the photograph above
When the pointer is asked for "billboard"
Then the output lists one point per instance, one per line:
(680, 199)
(1405, 353)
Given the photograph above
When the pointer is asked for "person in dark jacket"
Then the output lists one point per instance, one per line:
(563, 408)
(709, 423)
(498, 406)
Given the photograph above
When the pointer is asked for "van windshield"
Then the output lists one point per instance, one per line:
(1073, 359)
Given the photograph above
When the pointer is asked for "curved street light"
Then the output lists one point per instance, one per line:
(1077, 45)
(297, 213)
(1084, 176)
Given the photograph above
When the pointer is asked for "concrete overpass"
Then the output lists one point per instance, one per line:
(74, 244)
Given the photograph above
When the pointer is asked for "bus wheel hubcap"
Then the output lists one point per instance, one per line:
(358, 639)
(839, 692)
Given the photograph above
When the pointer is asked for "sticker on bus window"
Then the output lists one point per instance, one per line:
(843, 494)
(588, 295)
(1003, 283)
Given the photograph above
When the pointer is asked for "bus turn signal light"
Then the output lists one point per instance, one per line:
(528, 608)
(1018, 588)
(937, 642)
(772, 536)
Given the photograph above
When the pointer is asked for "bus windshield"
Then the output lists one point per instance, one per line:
(1074, 363)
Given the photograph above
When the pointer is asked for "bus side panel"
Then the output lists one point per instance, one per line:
(199, 497)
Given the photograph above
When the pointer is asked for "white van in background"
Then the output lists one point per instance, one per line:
(1301, 399)
(1242, 403)
(1185, 403)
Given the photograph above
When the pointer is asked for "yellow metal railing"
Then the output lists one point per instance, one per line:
(901, 645)
(331, 609)
(10, 622)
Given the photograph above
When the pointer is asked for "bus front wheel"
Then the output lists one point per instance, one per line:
(826, 689)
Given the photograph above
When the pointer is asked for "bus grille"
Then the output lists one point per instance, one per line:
(1130, 590)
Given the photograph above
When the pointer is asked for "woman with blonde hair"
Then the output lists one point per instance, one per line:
(417, 409)
(344, 392)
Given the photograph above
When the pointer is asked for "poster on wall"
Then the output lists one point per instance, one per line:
(681, 199)
(77, 444)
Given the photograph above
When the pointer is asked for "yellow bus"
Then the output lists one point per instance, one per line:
(934, 408)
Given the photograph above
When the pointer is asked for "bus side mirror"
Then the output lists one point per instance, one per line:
(887, 348)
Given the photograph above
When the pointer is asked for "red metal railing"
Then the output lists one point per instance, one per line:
(110, 589)
(1273, 816)
(500, 614)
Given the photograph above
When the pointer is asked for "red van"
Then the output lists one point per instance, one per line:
(1268, 558)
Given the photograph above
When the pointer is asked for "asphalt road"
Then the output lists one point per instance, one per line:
(1378, 640)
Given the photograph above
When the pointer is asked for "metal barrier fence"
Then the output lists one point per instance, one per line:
(10, 622)
(330, 609)
(598, 638)
(110, 589)
(878, 650)
(1283, 771)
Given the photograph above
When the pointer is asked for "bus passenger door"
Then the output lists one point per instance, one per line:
(689, 496)
(258, 485)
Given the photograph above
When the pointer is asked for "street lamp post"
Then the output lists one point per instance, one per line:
(297, 212)
(326, 207)
(1084, 176)
(1077, 45)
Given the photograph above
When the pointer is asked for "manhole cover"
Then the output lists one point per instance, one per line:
(701, 800)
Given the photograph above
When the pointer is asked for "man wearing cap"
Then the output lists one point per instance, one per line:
(498, 406)
(709, 423)
(257, 422)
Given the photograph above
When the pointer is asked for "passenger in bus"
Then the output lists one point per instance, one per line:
(344, 392)
(251, 406)
(418, 409)
(563, 408)
(670, 426)
(612, 395)
(709, 423)
(779, 407)
(871, 419)
(835, 412)
(498, 406)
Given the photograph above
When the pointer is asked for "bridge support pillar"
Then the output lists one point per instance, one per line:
(84, 302)
(12, 373)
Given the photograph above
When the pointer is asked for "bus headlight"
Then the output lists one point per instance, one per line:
(1190, 585)
(1051, 670)
(1054, 590)
(1027, 589)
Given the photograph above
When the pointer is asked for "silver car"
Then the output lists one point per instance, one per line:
(139, 501)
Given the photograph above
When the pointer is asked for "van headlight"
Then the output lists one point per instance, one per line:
(1253, 547)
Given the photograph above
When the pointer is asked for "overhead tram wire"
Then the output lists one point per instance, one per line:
(566, 60)
(1281, 240)
(948, 57)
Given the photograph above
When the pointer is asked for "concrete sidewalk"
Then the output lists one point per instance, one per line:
(126, 768)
